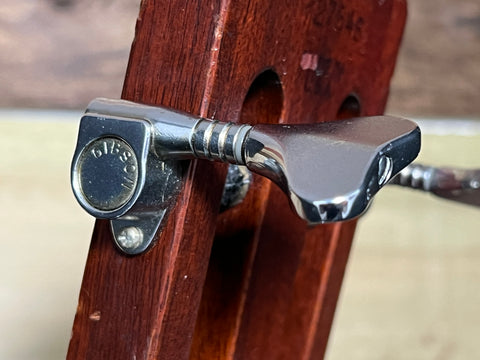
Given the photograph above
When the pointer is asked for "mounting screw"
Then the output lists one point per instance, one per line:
(130, 238)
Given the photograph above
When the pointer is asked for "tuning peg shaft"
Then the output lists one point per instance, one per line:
(461, 185)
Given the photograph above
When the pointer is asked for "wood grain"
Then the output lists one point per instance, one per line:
(264, 284)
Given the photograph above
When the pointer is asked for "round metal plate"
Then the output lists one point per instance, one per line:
(107, 173)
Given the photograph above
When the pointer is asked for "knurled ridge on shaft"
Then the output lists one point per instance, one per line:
(215, 140)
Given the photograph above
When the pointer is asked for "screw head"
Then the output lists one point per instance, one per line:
(130, 238)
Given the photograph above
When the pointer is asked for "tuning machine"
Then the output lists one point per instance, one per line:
(127, 164)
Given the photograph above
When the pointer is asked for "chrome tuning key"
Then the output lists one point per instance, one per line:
(460, 185)
(126, 165)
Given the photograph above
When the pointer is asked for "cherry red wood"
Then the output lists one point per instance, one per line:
(255, 282)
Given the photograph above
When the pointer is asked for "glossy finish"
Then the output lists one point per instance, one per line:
(178, 135)
(116, 175)
(98, 174)
(361, 155)
(331, 171)
(115, 167)
(461, 185)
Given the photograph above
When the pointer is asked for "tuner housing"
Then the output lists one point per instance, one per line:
(148, 199)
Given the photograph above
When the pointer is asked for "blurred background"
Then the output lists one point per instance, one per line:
(411, 289)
